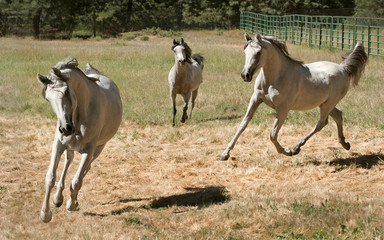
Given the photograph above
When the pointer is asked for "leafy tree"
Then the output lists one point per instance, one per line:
(369, 8)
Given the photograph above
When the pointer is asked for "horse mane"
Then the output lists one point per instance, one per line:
(188, 50)
(280, 44)
(72, 63)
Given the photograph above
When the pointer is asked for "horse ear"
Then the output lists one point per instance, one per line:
(174, 42)
(258, 37)
(58, 73)
(182, 41)
(247, 38)
(43, 79)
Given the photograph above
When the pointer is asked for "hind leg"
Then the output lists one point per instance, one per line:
(194, 95)
(323, 121)
(337, 115)
(77, 181)
(173, 99)
(185, 107)
(281, 115)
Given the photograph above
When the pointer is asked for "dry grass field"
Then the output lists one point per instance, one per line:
(154, 181)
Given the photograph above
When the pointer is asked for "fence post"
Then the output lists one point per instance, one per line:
(369, 36)
(310, 34)
(354, 32)
(342, 35)
(331, 35)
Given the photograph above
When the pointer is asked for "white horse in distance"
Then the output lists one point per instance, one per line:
(185, 77)
(89, 111)
(286, 84)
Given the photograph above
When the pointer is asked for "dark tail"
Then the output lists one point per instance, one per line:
(199, 59)
(354, 63)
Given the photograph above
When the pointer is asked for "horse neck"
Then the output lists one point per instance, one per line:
(80, 85)
(180, 69)
(276, 65)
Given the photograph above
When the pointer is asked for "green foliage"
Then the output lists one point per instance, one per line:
(369, 8)
(61, 18)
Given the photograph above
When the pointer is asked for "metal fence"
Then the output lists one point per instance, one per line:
(320, 31)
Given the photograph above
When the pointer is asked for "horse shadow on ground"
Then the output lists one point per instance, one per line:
(195, 197)
(231, 117)
(360, 161)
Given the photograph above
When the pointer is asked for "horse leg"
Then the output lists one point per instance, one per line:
(252, 106)
(58, 198)
(50, 178)
(185, 107)
(281, 115)
(77, 180)
(337, 115)
(194, 95)
(95, 155)
(324, 112)
(173, 99)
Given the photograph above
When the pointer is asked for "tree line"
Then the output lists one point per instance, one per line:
(84, 18)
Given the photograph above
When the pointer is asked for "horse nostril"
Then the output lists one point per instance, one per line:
(247, 76)
(69, 128)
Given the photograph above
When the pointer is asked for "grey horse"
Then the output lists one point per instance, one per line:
(89, 111)
(185, 77)
(286, 84)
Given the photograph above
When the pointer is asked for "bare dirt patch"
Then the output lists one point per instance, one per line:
(167, 183)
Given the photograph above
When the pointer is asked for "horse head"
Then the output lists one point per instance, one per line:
(253, 56)
(59, 93)
(182, 52)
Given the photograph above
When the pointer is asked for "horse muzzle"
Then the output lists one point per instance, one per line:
(67, 130)
(246, 76)
(182, 61)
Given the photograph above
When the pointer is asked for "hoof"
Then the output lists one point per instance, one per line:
(46, 216)
(224, 157)
(296, 151)
(72, 206)
(58, 201)
(287, 152)
(346, 145)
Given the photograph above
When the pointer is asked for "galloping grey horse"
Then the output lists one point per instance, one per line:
(287, 84)
(185, 77)
(89, 111)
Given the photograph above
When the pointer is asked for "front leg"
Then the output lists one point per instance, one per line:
(253, 104)
(77, 181)
(58, 198)
(185, 107)
(57, 149)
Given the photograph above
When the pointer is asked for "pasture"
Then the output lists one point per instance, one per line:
(155, 181)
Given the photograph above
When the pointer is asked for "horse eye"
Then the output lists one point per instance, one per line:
(66, 92)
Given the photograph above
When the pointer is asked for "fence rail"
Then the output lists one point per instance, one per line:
(319, 31)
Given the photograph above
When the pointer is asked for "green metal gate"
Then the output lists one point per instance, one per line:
(319, 31)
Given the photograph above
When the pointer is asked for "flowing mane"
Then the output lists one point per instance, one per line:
(283, 47)
(71, 63)
(279, 44)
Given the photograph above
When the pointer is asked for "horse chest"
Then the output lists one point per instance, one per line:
(272, 97)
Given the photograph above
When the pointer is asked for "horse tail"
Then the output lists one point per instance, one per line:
(199, 59)
(89, 69)
(354, 63)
